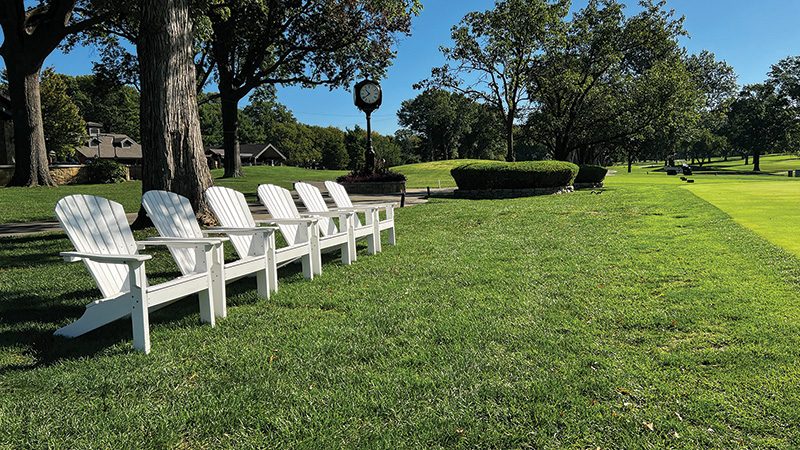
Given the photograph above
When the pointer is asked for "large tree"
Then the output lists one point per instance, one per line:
(491, 52)
(30, 35)
(440, 118)
(64, 129)
(760, 121)
(608, 79)
(250, 43)
(172, 147)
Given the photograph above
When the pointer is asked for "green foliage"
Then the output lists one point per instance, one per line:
(519, 175)
(588, 173)
(494, 49)
(331, 143)
(106, 171)
(64, 129)
(761, 120)
(107, 101)
(379, 176)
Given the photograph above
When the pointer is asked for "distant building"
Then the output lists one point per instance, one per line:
(250, 154)
(118, 147)
(6, 130)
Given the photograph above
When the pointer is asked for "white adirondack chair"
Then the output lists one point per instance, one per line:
(315, 204)
(173, 217)
(280, 205)
(342, 201)
(230, 208)
(102, 238)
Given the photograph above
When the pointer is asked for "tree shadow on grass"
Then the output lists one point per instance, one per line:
(32, 250)
(33, 309)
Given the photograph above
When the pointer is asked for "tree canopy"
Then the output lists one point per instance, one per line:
(250, 43)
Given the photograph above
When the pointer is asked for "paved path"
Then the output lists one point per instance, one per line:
(412, 197)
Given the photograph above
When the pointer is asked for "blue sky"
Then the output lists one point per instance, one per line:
(750, 35)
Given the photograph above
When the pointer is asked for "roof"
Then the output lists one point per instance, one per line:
(255, 151)
(111, 146)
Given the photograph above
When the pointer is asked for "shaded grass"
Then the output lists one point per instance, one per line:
(639, 318)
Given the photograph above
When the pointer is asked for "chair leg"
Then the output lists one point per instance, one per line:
(140, 318)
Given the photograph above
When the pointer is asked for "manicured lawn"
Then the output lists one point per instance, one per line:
(643, 317)
(29, 204)
(431, 174)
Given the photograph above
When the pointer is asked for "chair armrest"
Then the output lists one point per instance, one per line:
(239, 231)
(104, 258)
(296, 221)
(180, 242)
(361, 207)
(333, 213)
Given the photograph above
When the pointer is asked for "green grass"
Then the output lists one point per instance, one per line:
(30, 204)
(767, 203)
(431, 174)
(640, 318)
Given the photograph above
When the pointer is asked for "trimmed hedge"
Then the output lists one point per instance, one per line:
(591, 174)
(518, 175)
(106, 171)
(381, 176)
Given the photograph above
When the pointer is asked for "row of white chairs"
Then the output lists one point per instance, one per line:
(99, 230)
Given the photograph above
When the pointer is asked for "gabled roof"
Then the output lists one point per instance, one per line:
(111, 146)
(255, 151)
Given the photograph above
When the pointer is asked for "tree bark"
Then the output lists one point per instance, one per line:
(24, 50)
(30, 160)
(172, 148)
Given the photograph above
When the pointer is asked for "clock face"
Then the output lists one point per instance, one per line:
(369, 93)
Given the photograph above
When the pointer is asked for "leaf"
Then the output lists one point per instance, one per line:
(648, 425)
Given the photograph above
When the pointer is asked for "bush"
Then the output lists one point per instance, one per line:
(591, 174)
(106, 171)
(380, 176)
(518, 175)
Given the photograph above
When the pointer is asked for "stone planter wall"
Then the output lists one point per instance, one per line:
(588, 185)
(390, 187)
(68, 173)
(510, 193)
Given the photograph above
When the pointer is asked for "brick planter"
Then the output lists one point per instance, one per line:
(388, 187)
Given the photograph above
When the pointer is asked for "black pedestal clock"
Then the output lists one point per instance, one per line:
(367, 95)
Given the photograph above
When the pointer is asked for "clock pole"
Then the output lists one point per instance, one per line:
(369, 153)
(368, 96)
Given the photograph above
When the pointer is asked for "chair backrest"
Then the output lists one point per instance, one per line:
(230, 208)
(280, 205)
(340, 197)
(173, 216)
(97, 225)
(313, 200)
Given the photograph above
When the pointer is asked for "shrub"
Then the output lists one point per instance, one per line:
(380, 176)
(519, 175)
(591, 174)
(106, 171)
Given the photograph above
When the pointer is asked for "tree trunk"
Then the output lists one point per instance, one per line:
(630, 160)
(30, 161)
(510, 155)
(756, 161)
(172, 147)
(24, 50)
(230, 134)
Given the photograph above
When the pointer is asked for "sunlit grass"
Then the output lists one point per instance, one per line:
(640, 318)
